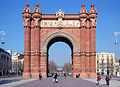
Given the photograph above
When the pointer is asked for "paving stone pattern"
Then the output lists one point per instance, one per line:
(62, 82)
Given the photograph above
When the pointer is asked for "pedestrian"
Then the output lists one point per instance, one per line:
(65, 75)
(98, 79)
(107, 80)
(55, 78)
(79, 75)
(40, 76)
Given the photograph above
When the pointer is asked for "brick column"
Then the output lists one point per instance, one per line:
(92, 54)
(43, 65)
(33, 52)
(35, 48)
(76, 65)
(37, 51)
(93, 49)
(87, 47)
(35, 42)
(82, 51)
(27, 42)
(83, 38)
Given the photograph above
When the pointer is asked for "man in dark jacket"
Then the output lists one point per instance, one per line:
(40, 76)
(107, 80)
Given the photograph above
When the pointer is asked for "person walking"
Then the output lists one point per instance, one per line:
(65, 75)
(98, 79)
(107, 80)
(55, 78)
(40, 76)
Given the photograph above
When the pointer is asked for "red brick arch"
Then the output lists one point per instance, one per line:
(42, 30)
(60, 34)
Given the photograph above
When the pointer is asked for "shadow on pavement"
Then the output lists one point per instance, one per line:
(118, 79)
(8, 81)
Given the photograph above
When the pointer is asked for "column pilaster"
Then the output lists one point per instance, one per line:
(35, 42)
(83, 19)
(43, 65)
(76, 64)
(93, 18)
(27, 41)
(35, 38)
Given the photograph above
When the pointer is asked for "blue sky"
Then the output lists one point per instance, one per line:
(108, 22)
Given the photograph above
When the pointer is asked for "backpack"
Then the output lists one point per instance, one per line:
(98, 78)
(110, 76)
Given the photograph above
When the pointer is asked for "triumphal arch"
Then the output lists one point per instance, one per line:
(42, 30)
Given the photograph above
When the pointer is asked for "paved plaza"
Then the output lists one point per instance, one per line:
(62, 82)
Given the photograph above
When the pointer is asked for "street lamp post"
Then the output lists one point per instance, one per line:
(2, 42)
(116, 35)
(116, 42)
(3, 34)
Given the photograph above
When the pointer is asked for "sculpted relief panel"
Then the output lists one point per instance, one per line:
(60, 23)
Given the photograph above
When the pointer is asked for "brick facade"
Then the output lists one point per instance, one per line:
(42, 30)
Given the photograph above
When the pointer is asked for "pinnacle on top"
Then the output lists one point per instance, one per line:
(92, 5)
(27, 5)
(37, 5)
(92, 10)
(82, 5)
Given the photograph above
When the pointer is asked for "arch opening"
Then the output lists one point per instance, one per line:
(60, 39)
(61, 36)
(66, 42)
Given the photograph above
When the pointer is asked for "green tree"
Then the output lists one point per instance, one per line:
(52, 67)
(67, 67)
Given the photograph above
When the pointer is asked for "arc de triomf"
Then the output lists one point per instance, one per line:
(42, 30)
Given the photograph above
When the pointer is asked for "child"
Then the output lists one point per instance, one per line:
(98, 79)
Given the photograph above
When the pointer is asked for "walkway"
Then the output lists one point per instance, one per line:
(62, 82)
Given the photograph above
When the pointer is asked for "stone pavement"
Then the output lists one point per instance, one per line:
(13, 81)
(68, 82)
(62, 82)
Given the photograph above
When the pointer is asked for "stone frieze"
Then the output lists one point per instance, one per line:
(46, 23)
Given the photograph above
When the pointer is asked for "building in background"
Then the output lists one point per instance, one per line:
(5, 62)
(117, 67)
(17, 63)
(10, 52)
(105, 63)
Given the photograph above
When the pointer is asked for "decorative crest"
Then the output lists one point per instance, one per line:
(93, 21)
(60, 13)
(26, 21)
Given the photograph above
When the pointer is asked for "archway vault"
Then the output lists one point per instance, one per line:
(60, 34)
